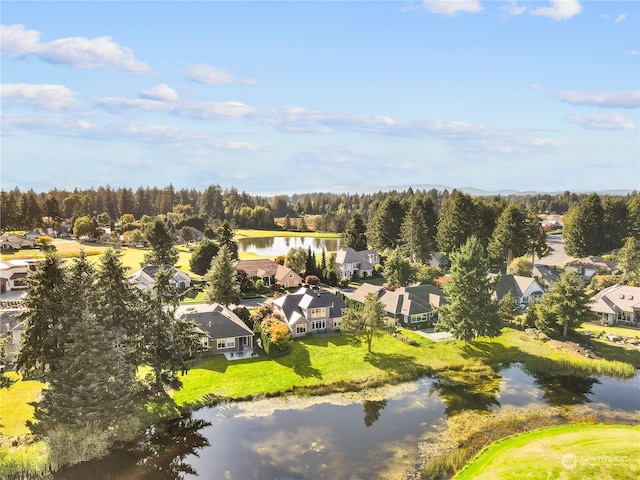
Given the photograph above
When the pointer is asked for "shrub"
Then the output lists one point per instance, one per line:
(343, 282)
(312, 279)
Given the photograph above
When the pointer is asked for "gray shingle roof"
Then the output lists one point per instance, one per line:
(215, 320)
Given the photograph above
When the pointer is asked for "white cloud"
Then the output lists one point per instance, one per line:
(208, 75)
(542, 142)
(512, 9)
(162, 92)
(49, 97)
(536, 86)
(610, 121)
(559, 10)
(207, 110)
(626, 99)
(620, 18)
(451, 8)
(79, 52)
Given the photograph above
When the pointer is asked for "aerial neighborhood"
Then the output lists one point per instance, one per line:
(173, 291)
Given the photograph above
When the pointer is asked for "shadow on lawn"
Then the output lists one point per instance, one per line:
(300, 361)
(391, 362)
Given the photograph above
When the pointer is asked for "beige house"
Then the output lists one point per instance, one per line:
(350, 263)
(270, 272)
(619, 304)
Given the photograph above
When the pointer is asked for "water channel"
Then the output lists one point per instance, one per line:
(363, 435)
(273, 246)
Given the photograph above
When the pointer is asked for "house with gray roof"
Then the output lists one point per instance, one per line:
(587, 267)
(413, 307)
(310, 311)
(146, 277)
(523, 289)
(350, 263)
(223, 332)
(10, 241)
(545, 275)
(618, 304)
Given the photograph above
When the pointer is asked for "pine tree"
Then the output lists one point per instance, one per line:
(629, 261)
(398, 270)
(116, 304)
(455, 222)
(224, 234)
(565, 306)
(355, 234)
(583, 228)
(89, 389)
(45, 320)
(385, 223)
(414, 237)
(470, 311)
(162, 242)
(222, 285)
(509, 238)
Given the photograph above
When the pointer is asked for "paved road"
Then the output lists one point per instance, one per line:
(557, 254)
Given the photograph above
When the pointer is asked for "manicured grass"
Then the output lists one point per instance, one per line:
(14, 405)
(615, 330)
(578, 451)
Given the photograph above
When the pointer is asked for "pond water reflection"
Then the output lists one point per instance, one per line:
(339, 436)
(273, 246)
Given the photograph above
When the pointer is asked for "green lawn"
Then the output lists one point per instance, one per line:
(14, 405)
(569, 452)
(325, 364)
(615, 330)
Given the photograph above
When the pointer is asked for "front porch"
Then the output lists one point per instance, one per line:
(241, 354)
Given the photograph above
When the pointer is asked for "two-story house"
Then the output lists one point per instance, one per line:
(309, 311)
(350, 263)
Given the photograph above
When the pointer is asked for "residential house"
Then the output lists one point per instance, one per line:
(270, 272)
(11, 329)
(223, 332)
(146, 277)
(10, 241)
(413, 307)
(309, 311)
(14, 273)
(545, 275)
(587, 267)
(350, 263)
(439, 260)
(53, 232)
(618, 304)
(523, 289)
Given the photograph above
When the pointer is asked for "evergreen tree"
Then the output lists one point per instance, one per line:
(509, 238)
(384, 226)
(470, 311)
(455, 222)
(508, 307)
(203, 255)
(536, 238)
(302, 226)
(565, 306)
(633, 207)
(583, 228)
(167, 342)
(46, 326)
(629, 261)
(414, 238)
(162, 242)
(355, 234)
(366, 321)
(115, 305)
(224, 234)
(89, 389)
(222, 284)
(614, 223)
(287, 223)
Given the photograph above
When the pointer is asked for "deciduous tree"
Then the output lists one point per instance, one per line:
(364, 322)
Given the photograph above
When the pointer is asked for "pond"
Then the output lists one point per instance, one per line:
(273, 246)
(362, 435)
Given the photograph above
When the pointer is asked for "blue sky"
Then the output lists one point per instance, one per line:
(284, 97)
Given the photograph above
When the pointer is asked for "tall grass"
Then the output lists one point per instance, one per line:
(24, 461)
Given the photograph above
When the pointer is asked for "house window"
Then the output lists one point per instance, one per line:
(301, 329)
(226, 343)
(318, 324)
(336, 323)
(318, 312)
(205, 342)
(422, 317)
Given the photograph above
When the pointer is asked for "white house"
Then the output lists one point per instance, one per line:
(350, 263)
(524, 289)
(618, 304)
(587, 267)
(10, 241)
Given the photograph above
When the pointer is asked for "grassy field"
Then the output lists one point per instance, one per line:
(615, 330)
(571, 452)
(14, 406)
